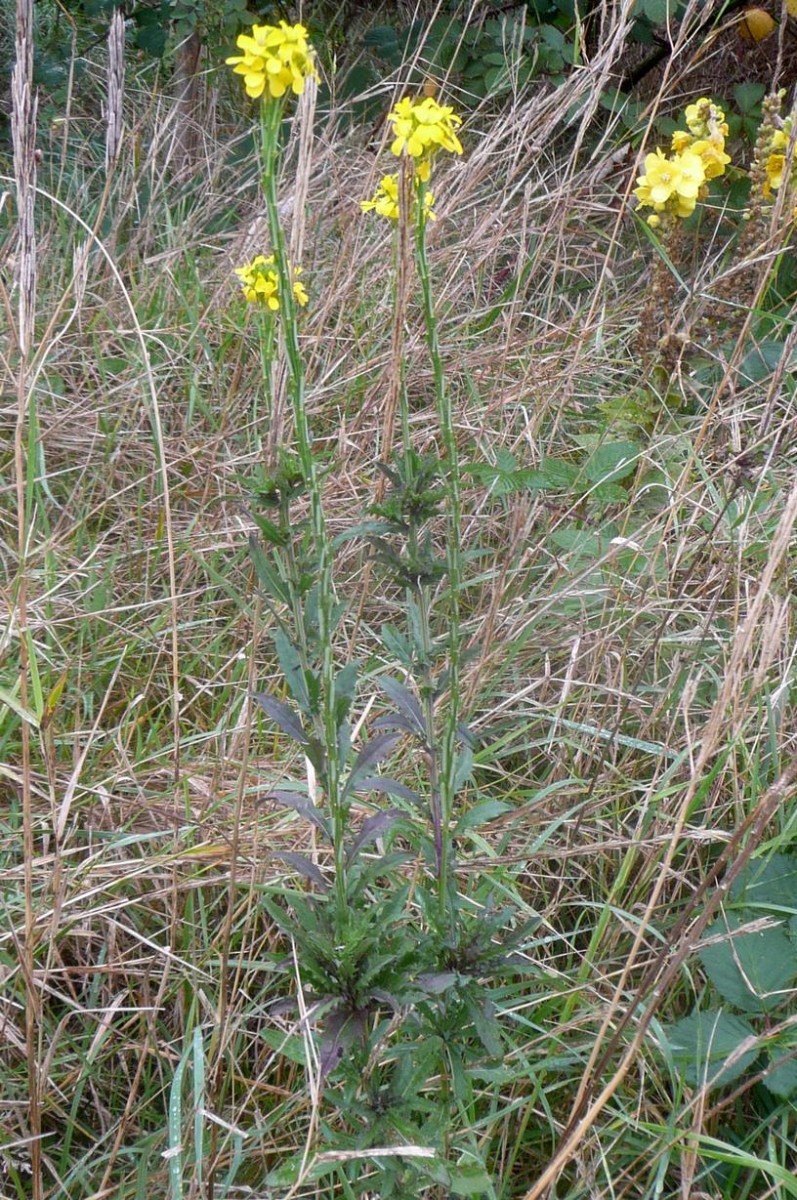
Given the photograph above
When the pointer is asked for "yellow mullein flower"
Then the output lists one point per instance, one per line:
(706, 119)
(260, 283)
(715, 160)
(680, 140)
(674, 181)
(275, 58)
(692, 175)
(385, 201)
(421, 128)
(659, 182)
(776, 164)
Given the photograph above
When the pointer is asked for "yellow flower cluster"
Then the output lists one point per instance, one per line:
(260, 283)
(385, 201)
(421, 128)
(776, 163)
(673, 184)
(275, 58)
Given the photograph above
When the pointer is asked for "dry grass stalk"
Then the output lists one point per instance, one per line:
(114, 121)
(23, 129)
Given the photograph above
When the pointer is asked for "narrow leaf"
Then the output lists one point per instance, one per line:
(371, 755)
(283, 716)
(304, 866)
(388, 787)
(405, 702)
(371, 829)
(302, 805)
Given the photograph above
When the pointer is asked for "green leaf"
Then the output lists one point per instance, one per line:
(781, 1075)
(748, 96)
(769, 885)
(612, 461)
(702, 1043)
(751, 971)
(469, 1181)
(480, 814)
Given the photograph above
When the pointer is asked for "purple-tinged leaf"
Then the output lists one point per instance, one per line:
(372, 753)
(405, 702)
(389, 787)
(395, 721)
(436, 982)
(371, 829)
(304, 807)
(283, 716)
(304, 866)
(342, 1028)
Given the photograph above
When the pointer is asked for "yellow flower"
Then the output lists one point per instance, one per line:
(774, 169)
(421, 128)
(680, 140)
(706, 120)
(260, 283)
(692, 175)
(275, 58)
(385, 201)
(712, 152)
(675, 181)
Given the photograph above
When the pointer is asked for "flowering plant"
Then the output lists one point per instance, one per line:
(260, 283)
(385, 201)
(275, 58)
(674, 184)
(421, 128)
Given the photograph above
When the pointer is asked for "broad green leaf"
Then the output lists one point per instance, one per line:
(469, 1180)
(751, 971)
(702, 1043)
(612, 461)
(772, 884)
(781, 1076)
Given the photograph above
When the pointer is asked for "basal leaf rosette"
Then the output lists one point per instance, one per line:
(385, 201)
(275, 58)
(260, 283)
(421, 128)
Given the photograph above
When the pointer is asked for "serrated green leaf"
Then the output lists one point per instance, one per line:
(469, 1180)
(701, 1043)
(612, 462)
(751, 971)
(781, 1076)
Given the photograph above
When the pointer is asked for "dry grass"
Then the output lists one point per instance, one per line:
(630, 684)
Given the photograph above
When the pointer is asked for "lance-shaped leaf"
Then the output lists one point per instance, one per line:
(405, 702)
(283, 716)
(268, 578)
(371, 829)
(304, 866)
(372, 753)
(303, 806)
(395, 720)
(390, 787)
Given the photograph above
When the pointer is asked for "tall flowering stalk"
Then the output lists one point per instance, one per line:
(421, 129)
(276, 60)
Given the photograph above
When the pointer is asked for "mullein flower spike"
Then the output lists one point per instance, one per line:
(674, 184)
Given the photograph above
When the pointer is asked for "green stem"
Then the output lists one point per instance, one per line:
(267, 341)
(448, 754)
(271, 113)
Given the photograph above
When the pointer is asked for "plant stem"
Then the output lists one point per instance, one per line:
(453, 557)
(271, 112)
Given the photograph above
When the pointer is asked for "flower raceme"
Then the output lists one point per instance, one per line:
(260, 283)
(421, 128)
(275, 58)
(385, 201)
(674, 184)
